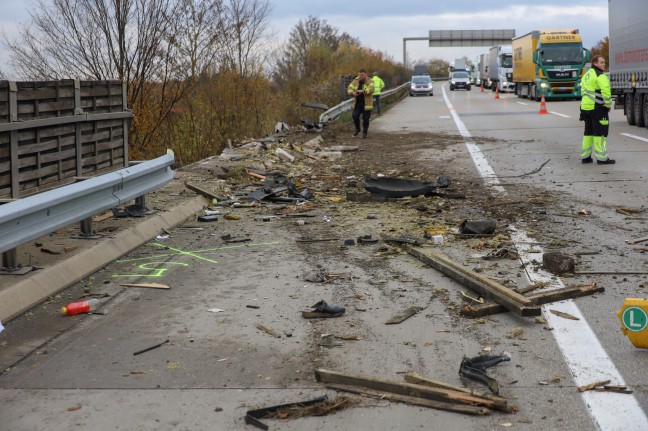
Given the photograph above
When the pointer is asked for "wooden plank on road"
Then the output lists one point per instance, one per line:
(504, 296)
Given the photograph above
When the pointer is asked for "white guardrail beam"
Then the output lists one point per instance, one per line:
(34, 216)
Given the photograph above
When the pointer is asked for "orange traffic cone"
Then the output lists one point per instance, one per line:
(543, 106)
(482, 87)
(497, 92)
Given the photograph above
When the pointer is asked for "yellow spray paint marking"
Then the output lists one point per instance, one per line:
(194, 253)
(634, 320)
(152, 269)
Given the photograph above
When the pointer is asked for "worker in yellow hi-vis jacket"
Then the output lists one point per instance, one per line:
(379, 84)
(362, 88)
(596, 102)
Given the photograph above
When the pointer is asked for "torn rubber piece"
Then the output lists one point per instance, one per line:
(475, 369)
(397, 187)
(252, 416)
(207, 218)
(486, 361)
(367, 239)
(400, 187)
(479, 227)
(405, 240)
(480, 377)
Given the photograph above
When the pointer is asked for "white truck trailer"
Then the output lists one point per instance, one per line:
(628, 62)
(500, 68)
(482, 69)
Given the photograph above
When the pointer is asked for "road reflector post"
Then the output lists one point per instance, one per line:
(634, 321)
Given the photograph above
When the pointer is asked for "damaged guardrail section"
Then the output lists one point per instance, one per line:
(37, 215)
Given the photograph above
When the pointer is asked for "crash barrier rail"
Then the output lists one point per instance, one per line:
(52, 132)
(345, 106)
(34, 216)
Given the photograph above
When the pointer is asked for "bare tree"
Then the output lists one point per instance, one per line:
(248, 35)
(97, 39)
(202, 29)
(307, 35)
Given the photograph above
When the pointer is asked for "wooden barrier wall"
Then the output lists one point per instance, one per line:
(53, 132)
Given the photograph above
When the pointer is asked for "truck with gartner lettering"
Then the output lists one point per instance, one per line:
(549, 63)
(500, 70)
(628, 62)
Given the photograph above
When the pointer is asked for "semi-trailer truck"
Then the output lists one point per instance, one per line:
(459, 64)
(549, 63)
(421, 69)
(482, 66)
(628, 62)
(500, 69)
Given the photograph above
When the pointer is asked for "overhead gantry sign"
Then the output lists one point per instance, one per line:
(445, 38)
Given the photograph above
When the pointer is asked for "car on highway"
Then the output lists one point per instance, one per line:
(460, 80)
(421, 84)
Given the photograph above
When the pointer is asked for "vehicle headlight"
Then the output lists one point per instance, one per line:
(543, 85)
(452, 82)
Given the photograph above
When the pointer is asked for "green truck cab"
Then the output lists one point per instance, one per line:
(549, 63)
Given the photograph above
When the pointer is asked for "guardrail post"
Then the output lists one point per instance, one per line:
(126, 122)
(10, 264)
(78, 110)
(13, 140)
(86, 230)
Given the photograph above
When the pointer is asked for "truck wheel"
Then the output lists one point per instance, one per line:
(468, 88)
(645, 112)
(532, 92)
(629, 109)
(638, 110)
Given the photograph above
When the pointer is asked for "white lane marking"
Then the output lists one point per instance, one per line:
(634, 137)
(583, 352)
(559, 114)
(522, 103)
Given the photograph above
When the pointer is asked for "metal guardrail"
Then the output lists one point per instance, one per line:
(345, 106)
(34, 216)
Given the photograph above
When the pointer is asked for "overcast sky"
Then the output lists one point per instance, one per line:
(382, 24)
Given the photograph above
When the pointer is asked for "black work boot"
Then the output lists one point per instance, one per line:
(356, 133)
(606, 162)
(364, 135)
(587, 159)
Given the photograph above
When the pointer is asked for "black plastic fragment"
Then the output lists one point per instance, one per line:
(252, 416)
